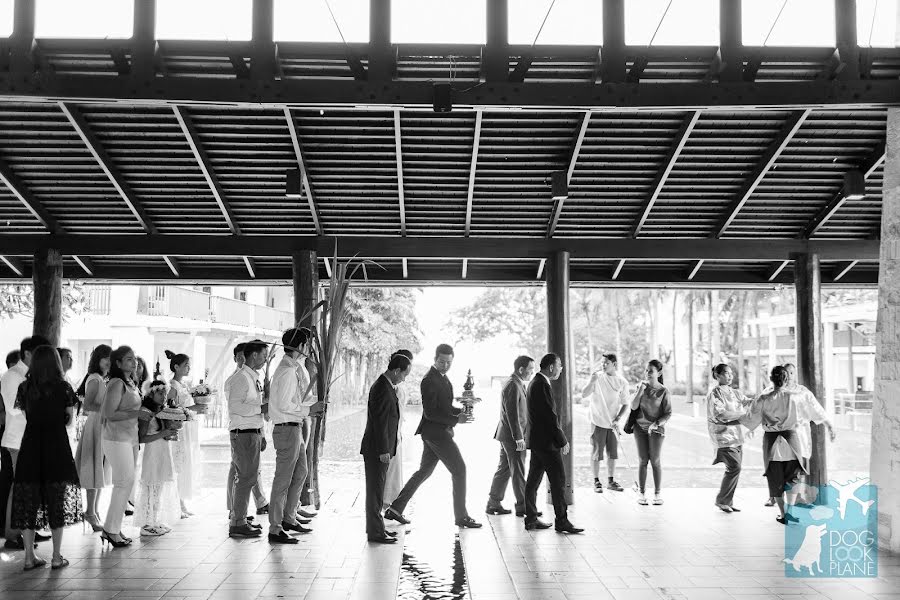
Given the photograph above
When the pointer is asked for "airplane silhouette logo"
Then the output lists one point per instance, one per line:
(847, 492)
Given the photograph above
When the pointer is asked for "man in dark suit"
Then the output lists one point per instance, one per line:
(439, 417)
(379, 443)
(548, 443)
(511, 435)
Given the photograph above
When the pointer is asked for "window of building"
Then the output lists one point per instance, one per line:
(207, 289)
(311, 21)
(204, 19)
(788, 23)
(438, 21)
(672, 23)
(83, 19)
(242, 296)
(567, 22)
(876, 23)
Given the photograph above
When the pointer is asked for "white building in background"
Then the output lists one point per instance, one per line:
(203, 322)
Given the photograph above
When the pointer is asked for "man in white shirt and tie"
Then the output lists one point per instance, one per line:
(245, 416)
(291, 400)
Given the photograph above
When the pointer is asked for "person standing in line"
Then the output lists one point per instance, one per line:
(260, 500)
(186, 449)
(15, 428)
(46, 485)
(783, 414)
(157, 498)
(380, 442)
(6, 467)
(121, 408)
(510, 433)
(609, 401)
(548, 444)
(245, 409)
(93, 470)
(725, 406)
(290, 395)
(394, 480)
(439, 417)
(654, 411)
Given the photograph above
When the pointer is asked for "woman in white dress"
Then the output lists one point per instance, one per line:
(93, 470)
(394, 480)
(186, 450)
(157, 498)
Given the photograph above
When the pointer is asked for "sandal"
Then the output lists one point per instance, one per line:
(59, 565)
(642, 500)
(657, 500)
(37, 564)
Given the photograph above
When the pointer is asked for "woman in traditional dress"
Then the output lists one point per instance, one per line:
(394, 480)
(784, 413)
(654, 410)
(157, 502)
(121, 408)
(46, 490)
(93, 471)
(724, 407)
(186, 450)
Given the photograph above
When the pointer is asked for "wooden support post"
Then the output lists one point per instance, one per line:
(559, 341)
(613, 52)
(143, 42)
(21, 62)
(47, 279)
(381, 52)
(730, 41)
(845, 39)
(262, 55)
(810, 364)
(306, 284)
(496, 50)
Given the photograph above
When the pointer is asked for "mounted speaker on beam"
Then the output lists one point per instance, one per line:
(559, 185)
(293, 186)
(854, 185)
(443, 98)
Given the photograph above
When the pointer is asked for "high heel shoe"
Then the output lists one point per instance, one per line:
(106, 537)
(94, 522)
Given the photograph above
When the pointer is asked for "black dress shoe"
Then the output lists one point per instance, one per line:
(536, 524)
(392, 514)
(243, 531)
(468, 522)
(393, 534)
(40, 537)
(521, 513)
(263, 510)
(383, 539)
(302, 520)
(255, 525)
(306, 514)
(497, 509)
(295, 527)
(568, 528)
(282, 538)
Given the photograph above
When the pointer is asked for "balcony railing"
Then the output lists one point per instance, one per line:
(98, 299)
(169, 301)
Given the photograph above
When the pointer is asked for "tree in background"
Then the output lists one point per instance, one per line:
(18, 299)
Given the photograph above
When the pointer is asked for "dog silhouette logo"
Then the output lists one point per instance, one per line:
(810, 550)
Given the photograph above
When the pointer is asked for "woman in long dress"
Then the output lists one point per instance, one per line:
(186, 450)
(93, 470)
(394, 480)
(157, 497)
(46, 488)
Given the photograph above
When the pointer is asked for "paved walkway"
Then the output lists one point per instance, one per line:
(684, 549)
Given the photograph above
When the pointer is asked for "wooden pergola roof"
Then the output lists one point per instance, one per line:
(169, 161)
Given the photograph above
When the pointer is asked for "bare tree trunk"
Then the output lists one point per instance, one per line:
(653, 318)
(739, 337)
(759, 370)
(618, 304)
(690, 370)
(675, 336)
(714, 341)
(584, 302)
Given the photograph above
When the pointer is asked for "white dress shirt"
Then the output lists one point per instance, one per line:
(15, 418)
(289, 383)
(244, 400)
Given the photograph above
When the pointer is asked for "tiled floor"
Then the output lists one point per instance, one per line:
(684, 549)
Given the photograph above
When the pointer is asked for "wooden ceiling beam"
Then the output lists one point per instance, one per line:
(173, 265)
(251, 266)
(14, 264)
(399, 150)
(781, 141)
(304, 174)
(85, 263)
(193, 139)
(80, 124)
(470, 197)
(573, 160)
(679, 141)
(28, 200)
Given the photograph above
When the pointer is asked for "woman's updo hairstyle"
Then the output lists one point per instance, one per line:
(719, 369)
(779, 376)
(176, 360)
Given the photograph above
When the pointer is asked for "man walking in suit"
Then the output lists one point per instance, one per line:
(439, 417)
(511, 435)
(548, 443)
(379, 443)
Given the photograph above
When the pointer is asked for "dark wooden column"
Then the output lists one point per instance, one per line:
(47, 279)
(381, 52)
(845, 39)
(612, 54)
(730, 40)
(306, 284)
(559, 341)
(496, 50)
(21, 64)
(262, 59)
(143, 52)
(810, 363)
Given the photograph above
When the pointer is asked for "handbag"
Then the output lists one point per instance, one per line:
(635, 413)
